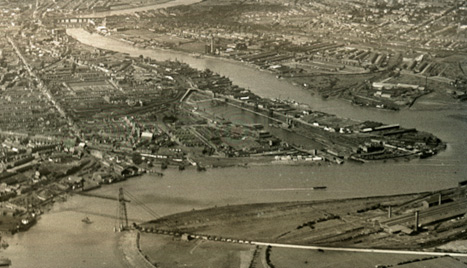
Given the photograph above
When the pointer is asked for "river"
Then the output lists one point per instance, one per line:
(60, 239)
(162, 4)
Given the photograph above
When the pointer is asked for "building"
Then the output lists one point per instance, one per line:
(436, 200)
(147, 135)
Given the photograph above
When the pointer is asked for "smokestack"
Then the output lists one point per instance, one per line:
(389, 212)
(439, 199)
(212, 44)
(415, 228)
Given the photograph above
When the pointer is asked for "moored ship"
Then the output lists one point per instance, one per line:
(320, 188)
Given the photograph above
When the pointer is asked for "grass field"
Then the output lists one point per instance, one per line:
(282, 258)
(165, 251)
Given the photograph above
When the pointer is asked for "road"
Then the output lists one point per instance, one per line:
(434, 78)
(362, 250)
(338, 249)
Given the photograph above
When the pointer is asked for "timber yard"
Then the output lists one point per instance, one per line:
(86, 103)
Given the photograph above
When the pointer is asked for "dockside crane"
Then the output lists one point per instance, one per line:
(122, 213)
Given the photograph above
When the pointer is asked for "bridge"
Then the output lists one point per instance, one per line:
(76, 21)
(121, 216)
(221, 239)
(100, 196)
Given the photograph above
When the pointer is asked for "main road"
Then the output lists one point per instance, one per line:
(362, 250)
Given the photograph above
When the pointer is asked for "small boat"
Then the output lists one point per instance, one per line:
(195, 55)
(426, 154)
(86, 220)
(319, 187)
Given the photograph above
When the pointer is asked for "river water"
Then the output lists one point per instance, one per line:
(163, 4)
(60, 239)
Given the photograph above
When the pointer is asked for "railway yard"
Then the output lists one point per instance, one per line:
(417, 223)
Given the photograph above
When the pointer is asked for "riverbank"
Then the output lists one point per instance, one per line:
(130, 246)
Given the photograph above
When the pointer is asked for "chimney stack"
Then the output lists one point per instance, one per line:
(415, 228)
(212, 45)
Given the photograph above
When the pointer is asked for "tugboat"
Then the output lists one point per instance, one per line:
(426, 154)
(86, 220)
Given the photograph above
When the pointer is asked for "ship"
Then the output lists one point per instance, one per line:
(426, 154)
(319, 187)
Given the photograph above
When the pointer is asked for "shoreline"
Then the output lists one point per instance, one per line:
(129, 245)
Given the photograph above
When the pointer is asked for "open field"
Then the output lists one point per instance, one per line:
(281, 257)
(164, 251)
